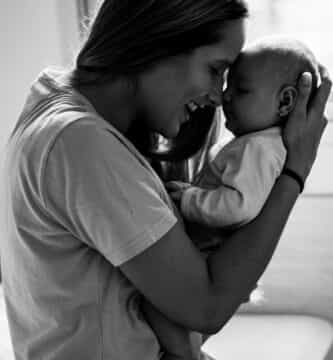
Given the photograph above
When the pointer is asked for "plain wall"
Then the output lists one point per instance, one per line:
(33, 35)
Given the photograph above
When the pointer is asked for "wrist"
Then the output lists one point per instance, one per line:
(295, 176)
(298, 166)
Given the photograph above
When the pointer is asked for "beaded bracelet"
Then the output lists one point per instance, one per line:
(294, 176)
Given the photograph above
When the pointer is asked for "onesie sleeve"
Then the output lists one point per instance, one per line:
(247, 171)
(104, 194)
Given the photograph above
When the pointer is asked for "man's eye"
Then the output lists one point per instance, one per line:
(219, 71)
(215, 71)
(242, 90)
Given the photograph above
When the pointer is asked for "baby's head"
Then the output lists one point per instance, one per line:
(262, 83)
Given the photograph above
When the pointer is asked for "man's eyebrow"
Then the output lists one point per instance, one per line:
(226, 63)
(222, 64)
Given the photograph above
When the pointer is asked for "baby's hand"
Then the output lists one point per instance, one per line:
(176, 189)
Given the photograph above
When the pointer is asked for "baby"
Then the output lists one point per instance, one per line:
(261, 91)
(234, 184)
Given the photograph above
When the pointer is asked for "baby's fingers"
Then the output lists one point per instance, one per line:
(172, 185)
(176, 195)
(176, 185)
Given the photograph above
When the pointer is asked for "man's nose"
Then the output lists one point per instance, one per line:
(226, 95)
(215, 98)
(216, 94)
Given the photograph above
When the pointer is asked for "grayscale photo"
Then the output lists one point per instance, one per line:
(166, 180)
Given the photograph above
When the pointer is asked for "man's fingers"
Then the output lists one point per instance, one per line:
(324, 123)
(304, 90)
(320, 128)
(323, 91)
(323, 72)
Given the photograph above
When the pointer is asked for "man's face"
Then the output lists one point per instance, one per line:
(173, 88)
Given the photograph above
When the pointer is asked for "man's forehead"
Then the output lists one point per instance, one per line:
(232, 38)
(241, 67)
(223, 62)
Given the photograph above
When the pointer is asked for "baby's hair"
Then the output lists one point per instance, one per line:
(293, 56)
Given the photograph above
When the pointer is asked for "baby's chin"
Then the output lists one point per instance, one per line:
(235, 131)
(230, 124)
(240, 131)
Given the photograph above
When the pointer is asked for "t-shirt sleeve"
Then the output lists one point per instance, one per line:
(99, 190)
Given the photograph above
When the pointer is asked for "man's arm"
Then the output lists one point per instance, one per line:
(202, 294)
(174, 339)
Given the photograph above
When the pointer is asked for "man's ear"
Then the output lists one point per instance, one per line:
(287, 100)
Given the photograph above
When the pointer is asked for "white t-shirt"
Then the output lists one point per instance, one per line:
(235, 182)
(81, 201)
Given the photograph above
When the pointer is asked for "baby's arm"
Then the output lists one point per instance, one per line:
(176, 342)
(246, 173)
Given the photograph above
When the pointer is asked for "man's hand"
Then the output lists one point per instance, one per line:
(174, 340)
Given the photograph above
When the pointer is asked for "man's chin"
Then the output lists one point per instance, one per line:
(170, 133)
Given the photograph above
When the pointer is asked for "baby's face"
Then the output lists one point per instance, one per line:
(250, 100)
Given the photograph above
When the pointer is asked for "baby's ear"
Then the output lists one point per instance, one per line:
(287, 100)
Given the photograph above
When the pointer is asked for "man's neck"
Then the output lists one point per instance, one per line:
(113, 101)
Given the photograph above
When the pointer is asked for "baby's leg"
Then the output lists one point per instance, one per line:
(176, 342)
